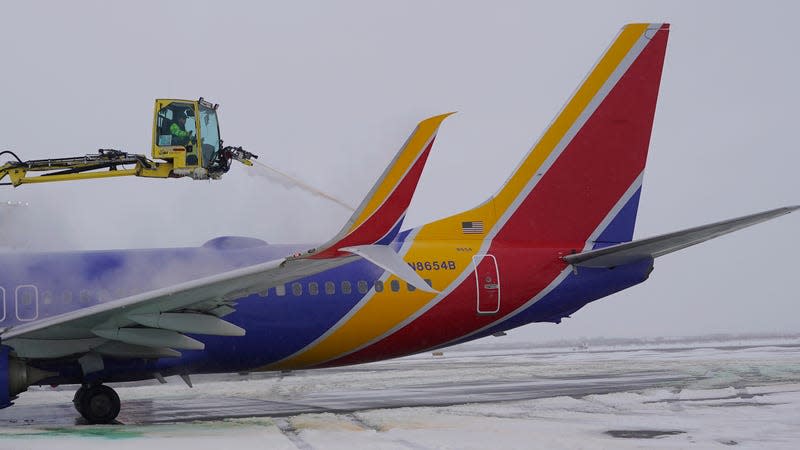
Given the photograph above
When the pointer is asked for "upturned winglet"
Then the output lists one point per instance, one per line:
(378, 218)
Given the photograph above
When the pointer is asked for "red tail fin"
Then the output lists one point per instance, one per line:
(588, 165)
(580, 183)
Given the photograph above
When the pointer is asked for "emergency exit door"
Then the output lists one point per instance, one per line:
(487, 279)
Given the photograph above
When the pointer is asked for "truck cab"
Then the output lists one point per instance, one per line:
(186, 133)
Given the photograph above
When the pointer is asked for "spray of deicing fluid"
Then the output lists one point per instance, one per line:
(289, 181)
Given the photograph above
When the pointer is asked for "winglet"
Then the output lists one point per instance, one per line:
(379, 217)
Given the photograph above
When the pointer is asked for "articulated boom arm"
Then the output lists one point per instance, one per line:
(117, 163)
(80, 167)
(186, 143)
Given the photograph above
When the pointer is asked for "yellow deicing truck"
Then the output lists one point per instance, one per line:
(186, 143)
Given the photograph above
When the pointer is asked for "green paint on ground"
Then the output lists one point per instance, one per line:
(107, 432)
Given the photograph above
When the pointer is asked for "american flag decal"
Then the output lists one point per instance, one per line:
(474, 227)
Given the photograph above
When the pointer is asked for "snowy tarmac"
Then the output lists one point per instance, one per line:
(483, 395)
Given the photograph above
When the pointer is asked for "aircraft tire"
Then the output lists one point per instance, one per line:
(78, 398)
(99, 404)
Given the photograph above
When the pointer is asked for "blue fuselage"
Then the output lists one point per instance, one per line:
(279, 322)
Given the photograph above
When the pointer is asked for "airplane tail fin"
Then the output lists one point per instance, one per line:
(581, 181)
(378, 218)
(579, 185)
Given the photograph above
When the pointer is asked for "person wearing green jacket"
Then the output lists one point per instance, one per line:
(178, 129)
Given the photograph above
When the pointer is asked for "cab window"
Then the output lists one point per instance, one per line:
(176, 127)
(209, 132)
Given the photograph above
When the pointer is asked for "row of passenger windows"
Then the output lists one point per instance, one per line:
(26, 295)
(25, 300)
(83, 296)
(345, 287)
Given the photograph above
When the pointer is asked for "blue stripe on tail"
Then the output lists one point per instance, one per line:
(621, 227)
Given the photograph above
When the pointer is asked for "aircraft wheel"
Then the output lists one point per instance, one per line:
(99, 404)
(78, 398)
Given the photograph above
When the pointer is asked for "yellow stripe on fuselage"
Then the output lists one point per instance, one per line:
(444, 239)
(385, 310)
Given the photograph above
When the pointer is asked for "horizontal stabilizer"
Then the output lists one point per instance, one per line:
(387, 259)
(667, 243)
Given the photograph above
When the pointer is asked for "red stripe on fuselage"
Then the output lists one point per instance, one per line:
(566, 206)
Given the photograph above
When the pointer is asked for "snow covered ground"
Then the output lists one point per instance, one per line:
(485, 395)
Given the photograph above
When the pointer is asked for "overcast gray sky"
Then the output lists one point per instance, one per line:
(328, 91)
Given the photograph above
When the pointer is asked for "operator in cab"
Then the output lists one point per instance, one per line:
(178, 130)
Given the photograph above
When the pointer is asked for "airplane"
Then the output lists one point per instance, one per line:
(555, 237)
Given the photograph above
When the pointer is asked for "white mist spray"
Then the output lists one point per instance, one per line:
(289, 182)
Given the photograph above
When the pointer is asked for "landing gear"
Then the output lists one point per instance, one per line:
(97, 403)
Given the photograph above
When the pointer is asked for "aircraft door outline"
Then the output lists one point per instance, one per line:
(487, 283)
(3, 303)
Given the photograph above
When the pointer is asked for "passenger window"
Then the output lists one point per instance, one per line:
(66, 297)
(410, 287)
(395, 285)
(297, 289)
(363, 287)
(346, 287)
(378, 286)
(181, 115)
(280, 290)
(330, 287)
(84, 296)
(430, 283)
(313, 288)
(47, 297)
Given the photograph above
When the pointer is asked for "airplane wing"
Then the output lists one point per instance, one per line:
(90, 328)
(654, 247)
(152, 324)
